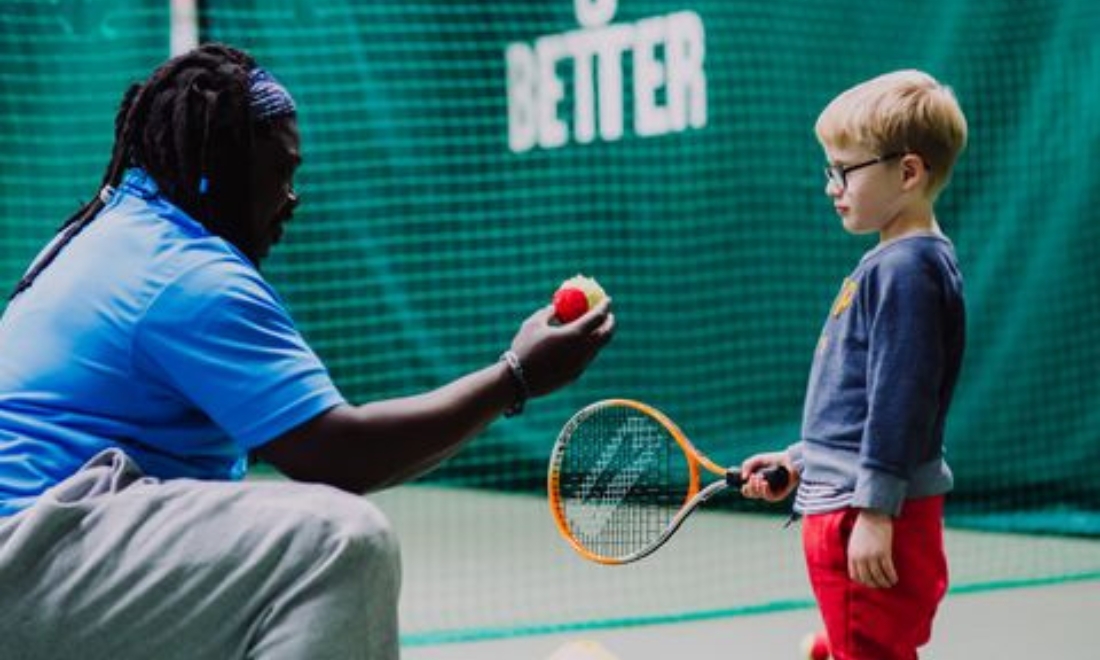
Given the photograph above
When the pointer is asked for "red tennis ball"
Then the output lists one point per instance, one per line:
(815, 646)
(570, 303)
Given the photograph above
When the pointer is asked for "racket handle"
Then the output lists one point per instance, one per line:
(777, 477)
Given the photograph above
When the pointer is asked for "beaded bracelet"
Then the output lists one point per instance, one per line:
(523, 392)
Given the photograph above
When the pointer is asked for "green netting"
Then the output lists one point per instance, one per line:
(63, 68)
(425, 235)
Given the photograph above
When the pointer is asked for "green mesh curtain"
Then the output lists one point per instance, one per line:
(63, 69)
(426, 235)
(462, 158)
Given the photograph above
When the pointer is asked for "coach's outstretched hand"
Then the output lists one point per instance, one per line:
(381, 443)
(554, 355)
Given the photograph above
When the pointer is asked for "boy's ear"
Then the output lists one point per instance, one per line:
(913, 170)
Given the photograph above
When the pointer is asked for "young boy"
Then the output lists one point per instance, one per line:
(870, 469)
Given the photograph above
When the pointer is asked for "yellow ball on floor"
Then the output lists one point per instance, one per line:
(583, 649)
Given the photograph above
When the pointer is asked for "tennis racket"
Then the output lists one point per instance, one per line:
(623, 478)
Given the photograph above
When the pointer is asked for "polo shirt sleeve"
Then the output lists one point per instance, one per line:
(219, 337)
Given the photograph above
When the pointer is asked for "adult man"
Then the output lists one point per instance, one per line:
(143, 356)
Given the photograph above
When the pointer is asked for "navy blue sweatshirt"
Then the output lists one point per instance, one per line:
(882, 379)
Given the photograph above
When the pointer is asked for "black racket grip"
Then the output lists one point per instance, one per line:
(777, 477)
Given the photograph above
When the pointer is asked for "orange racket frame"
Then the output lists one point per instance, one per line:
(694, 496)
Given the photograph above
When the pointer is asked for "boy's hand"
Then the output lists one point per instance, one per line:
(870, 550)
(755, 487)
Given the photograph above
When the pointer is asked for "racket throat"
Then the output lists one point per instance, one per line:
(734, 480)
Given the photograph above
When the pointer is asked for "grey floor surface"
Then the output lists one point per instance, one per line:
(490, 571)
(1052, 622)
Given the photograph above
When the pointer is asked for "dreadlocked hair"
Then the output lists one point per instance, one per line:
(189, 127)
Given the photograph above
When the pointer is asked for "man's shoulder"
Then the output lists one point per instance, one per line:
(173, 249)
(203, 281)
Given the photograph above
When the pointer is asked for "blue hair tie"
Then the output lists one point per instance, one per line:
(267, 98)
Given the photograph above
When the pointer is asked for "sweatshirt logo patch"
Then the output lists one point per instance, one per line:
(845, 297)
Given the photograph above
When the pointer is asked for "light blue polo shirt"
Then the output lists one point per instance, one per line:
(151, 335)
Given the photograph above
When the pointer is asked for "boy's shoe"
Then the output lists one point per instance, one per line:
(815, 646)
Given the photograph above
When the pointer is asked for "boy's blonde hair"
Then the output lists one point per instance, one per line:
(905, 111)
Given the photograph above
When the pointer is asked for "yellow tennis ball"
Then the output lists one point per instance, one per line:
(591, 288)
(583, 649)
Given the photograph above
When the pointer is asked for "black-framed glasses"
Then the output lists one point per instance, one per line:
(838, 174)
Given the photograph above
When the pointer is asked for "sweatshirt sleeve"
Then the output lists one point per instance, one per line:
(904, 372)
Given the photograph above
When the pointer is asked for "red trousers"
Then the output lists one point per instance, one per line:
(878, 624)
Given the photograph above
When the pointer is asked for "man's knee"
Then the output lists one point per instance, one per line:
(356, 526)
(361, 556)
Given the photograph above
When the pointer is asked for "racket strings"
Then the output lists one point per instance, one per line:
(622, 478)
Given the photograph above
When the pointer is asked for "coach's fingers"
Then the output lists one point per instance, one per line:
(606, 330)
(595, 318)
(543, 314)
